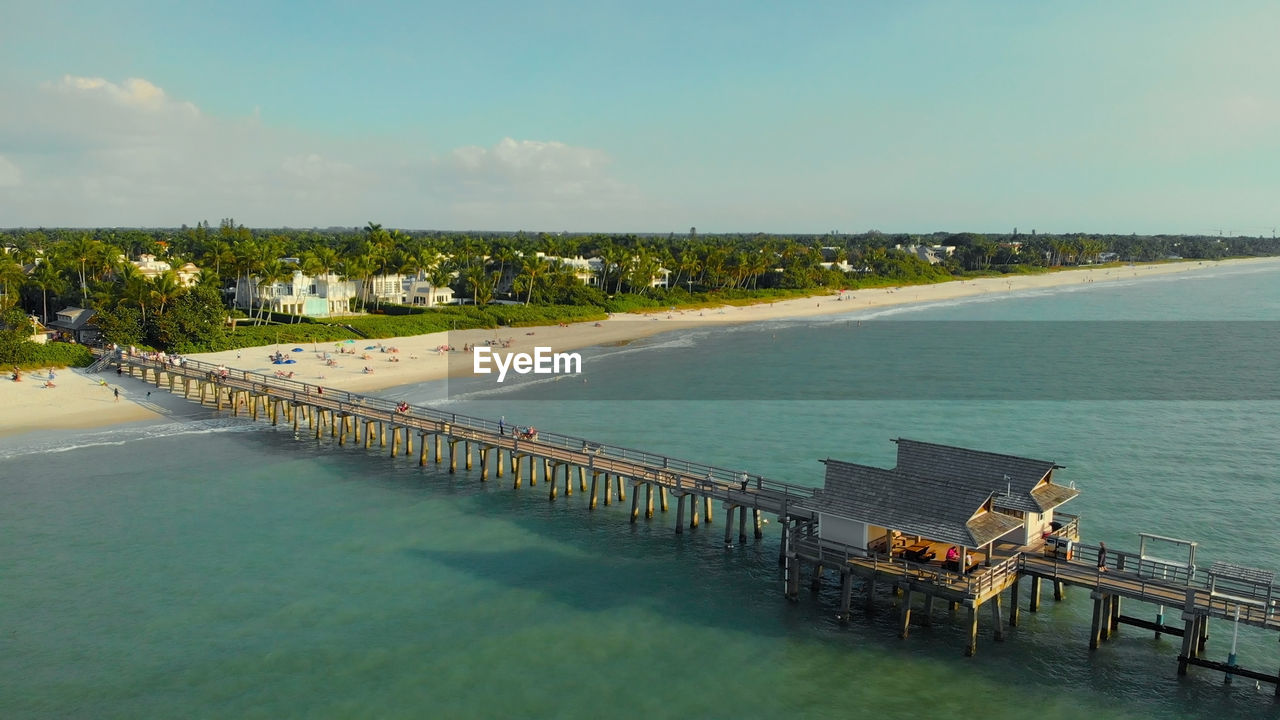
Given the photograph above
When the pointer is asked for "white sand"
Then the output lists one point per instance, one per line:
(78, 401)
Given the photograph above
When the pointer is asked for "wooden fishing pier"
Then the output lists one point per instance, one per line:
(886, 527)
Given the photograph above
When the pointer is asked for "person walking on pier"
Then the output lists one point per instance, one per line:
(502, 428)
(1102, 557)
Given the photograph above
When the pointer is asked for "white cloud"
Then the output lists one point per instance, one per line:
(135, 92)
(10, 175)
(94, 152)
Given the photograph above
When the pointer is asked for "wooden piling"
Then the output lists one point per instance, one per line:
(905, 615)
(648, 501)
(1013, 602)
(1095, 629)
(1034, 605)
(997, 626)
(679, 513)
(595, 476)
(971, 647)
(846, 592)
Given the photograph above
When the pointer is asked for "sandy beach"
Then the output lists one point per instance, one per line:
(80, 400)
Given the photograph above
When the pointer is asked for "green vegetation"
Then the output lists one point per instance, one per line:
(543, 276)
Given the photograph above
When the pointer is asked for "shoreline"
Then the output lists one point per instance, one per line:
(82, 401)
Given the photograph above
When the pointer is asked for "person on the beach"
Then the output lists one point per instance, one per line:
(117, 394)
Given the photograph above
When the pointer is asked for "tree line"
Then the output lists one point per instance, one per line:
(43, 270)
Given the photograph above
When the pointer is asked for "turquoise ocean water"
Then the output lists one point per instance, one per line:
(213, 567)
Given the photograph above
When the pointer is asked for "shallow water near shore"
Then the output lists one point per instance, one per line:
(221, 568)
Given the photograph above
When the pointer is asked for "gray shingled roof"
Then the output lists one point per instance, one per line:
(79, 317)
(1012, 478)
(938, 508)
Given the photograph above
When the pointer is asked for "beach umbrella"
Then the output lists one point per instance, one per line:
(371, 347)
(296, 350)
(348, 341)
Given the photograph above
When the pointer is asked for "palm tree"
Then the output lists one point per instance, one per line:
(165, 289)
(532, 267)
(83, 250)
(48, 278)
(271, 272)
(11, 273)
(216, 253)
(476, 276)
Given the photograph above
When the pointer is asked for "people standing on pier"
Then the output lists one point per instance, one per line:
(1102, 557)
(502, 428)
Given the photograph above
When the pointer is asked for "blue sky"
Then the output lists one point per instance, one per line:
(654, 117)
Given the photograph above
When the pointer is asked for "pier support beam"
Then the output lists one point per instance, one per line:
(1059, 590)
(1013, 602)
(1034, 606)
(679, 514)
(728, 525)
(846, 594)
(904, 619)
(997, 625)
(648, 499)
(635, 506)
(662, 498)
(595, 477)
(971, 647)
(742, 522)
(1095, 630)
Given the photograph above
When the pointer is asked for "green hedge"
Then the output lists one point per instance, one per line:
(529, 315)
(55, 354)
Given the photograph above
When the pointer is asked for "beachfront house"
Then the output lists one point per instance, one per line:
(299, 294)
(149, 267)
(75, 324)
(936, 497)
(586, 270)
(423, 294)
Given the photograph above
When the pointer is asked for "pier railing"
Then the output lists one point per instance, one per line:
(982, 581)
(696, 476)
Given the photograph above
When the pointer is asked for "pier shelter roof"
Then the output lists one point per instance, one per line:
(1019, 483)
(937, 508)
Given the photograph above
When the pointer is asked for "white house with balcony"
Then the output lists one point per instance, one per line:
(423, 294)
(301, 294)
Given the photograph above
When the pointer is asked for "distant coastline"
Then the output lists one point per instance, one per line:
(81, 401)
